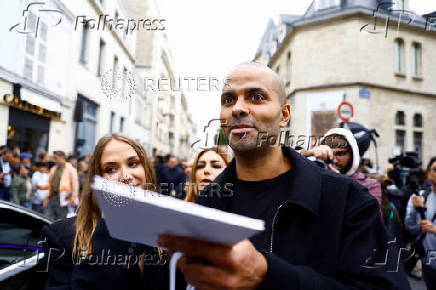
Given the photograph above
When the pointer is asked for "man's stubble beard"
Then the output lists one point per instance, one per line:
(250, 145)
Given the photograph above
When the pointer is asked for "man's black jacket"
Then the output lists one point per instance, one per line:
(327, 235)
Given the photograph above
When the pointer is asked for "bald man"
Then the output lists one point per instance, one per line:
(323, 230)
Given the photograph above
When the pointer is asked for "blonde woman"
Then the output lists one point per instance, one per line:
(80, 252)
(208, 164)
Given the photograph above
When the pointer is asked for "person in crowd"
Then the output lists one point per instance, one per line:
(64, 188)
(40, 184)
(83, 239)
(208, 164)
(340, 146)
(26, 158)
(173, 179)
(15, 161)
(21, 187)
(391, 216)
(72, 160)
(188, 168)
(425, 227)
(366, 166)
(159, 167)
(82, 171)
(5, 173)
(323, 230)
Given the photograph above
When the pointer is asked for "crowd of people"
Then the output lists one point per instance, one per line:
(323, 225)
(33, 182)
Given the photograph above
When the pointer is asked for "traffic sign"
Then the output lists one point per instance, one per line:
(345, 111)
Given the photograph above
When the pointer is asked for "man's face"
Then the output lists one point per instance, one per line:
(431, 174)
(7, 157)
(342, 157)
(58, 159)
(250, 106)
(172, 163)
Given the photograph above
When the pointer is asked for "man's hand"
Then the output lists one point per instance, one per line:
(322, 152)
(334, 169)
(418, 201)
(239, 266)
(427, 226)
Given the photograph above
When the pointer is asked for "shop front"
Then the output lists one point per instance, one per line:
(29, 120)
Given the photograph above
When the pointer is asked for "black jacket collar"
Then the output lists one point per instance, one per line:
(304, 184)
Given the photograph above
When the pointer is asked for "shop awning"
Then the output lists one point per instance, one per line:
(39, 100)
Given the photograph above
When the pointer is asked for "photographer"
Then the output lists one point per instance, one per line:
(421, 221)
(339, 146)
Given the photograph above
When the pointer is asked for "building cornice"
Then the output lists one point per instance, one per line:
(361, 84)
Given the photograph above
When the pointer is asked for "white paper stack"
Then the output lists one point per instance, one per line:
(140, 216)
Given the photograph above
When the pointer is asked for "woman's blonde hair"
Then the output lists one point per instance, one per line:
(88, 213)
(192, 193)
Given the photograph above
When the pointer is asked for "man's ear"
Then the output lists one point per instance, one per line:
(285, 115)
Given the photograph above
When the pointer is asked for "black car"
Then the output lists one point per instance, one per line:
(22, 264)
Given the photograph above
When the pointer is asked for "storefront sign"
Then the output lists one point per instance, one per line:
(13, 101)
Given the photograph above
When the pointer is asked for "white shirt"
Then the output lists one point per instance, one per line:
(7, 171)
(40, 179)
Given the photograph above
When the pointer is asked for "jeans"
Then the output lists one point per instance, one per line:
(37, 207)
(54, 211)
(4, 193)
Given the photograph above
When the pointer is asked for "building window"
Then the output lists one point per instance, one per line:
(417, 143)
(282, 31)
(171, 139)
(288, 68)
(172, 121)
(28, 68)
(399, 56)
(139, 111)
(115, 72)
(324, 4)
(115, 19)
(400, 118)
(400, 139)
(121, 124)
(84, 44)
(101, 57)
(123, 86)
(111, 128)
(40, 74)
(417, 120)
(398, 5)
(417, 59)
(273, 45)
(36, 51)
(85, 130)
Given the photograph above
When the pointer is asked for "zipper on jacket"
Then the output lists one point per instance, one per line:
(272, 229)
